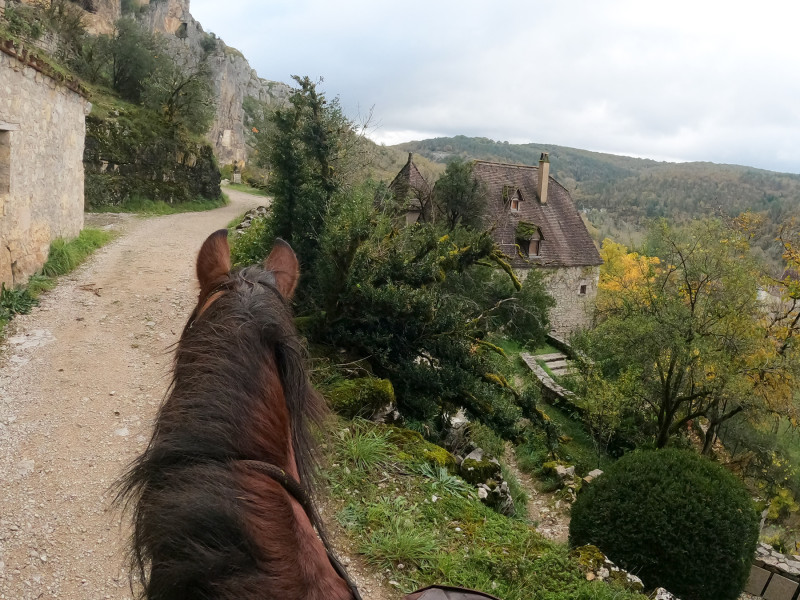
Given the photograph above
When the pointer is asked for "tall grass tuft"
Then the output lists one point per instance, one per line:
(363, 448)
(66, 256)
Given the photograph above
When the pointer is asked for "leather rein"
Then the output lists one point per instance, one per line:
(296, 491)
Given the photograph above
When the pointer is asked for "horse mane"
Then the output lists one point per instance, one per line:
(215, 413)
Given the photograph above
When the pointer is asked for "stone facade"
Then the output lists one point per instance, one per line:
(42, 133)
(574, 289)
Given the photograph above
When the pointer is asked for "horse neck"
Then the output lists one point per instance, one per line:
(293, 555)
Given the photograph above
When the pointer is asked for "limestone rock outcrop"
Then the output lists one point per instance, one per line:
(234, 78)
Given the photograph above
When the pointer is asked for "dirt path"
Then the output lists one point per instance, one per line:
(80, 379)
(550, 514)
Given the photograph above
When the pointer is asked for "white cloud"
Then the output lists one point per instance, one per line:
(697, 80)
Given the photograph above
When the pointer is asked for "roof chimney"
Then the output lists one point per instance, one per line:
(410, 154)
(544, 176)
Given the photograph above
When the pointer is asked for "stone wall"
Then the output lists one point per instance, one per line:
(42, 133)
(133, 154)
(575, 290)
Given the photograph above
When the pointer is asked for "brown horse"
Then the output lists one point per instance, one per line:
(220, 496)
(208, 523)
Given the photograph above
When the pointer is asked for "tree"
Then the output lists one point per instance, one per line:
(134, 55)
(705, 345)
(412, 304)
(459, 197)
(306, 148)
(183, 94)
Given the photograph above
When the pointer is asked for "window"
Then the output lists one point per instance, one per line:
(5, 162)
(515, 205)
(583, 290)
(534, 250)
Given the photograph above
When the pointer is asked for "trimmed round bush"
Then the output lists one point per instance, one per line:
(675, 519)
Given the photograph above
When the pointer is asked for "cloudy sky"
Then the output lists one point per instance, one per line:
(679, 80)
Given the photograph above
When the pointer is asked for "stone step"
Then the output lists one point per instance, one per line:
(549, 357)
(557, 364)
(561, 371)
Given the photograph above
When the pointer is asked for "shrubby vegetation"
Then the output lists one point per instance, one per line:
(413, 305)
(383, 484)
(676, 519)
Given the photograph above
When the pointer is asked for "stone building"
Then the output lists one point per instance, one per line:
(535, 222)
(42, 131)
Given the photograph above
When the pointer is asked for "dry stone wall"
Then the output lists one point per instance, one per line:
(42, 133)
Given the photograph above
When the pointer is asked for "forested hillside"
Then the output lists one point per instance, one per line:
(620, 194)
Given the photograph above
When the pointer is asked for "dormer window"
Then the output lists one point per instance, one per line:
(516, 202)
(529, 238)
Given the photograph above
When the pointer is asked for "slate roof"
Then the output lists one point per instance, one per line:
(566, 241)
(409, 179)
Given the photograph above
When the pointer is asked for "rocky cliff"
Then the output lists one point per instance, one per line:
(234, 79)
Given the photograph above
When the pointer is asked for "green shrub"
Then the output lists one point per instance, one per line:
(359, 397)
(252, 245)
(675, 519)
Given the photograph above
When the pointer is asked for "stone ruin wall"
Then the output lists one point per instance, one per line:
(573, 311)
(42, 131)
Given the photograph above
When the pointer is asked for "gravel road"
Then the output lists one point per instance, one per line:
(80, 380)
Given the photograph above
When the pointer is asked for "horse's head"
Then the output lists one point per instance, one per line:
(280, 270)
(241, 339)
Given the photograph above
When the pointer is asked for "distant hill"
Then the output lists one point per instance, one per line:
(620, 194)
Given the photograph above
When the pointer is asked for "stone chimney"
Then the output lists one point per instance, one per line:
(410, 155)
(544, 176)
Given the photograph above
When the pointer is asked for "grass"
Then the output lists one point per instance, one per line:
(414, 522)
(362, 447)
(65, 256)
(576, 446)
(241, 187)
(546, 349)
(145, 206)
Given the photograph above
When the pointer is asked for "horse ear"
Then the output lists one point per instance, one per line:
(283, 264)
(214, 259)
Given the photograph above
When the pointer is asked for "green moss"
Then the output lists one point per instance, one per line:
(549, 468)
(359, 397)
(479, 471)
(421, 450)
(527, 231)
(589, 557)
